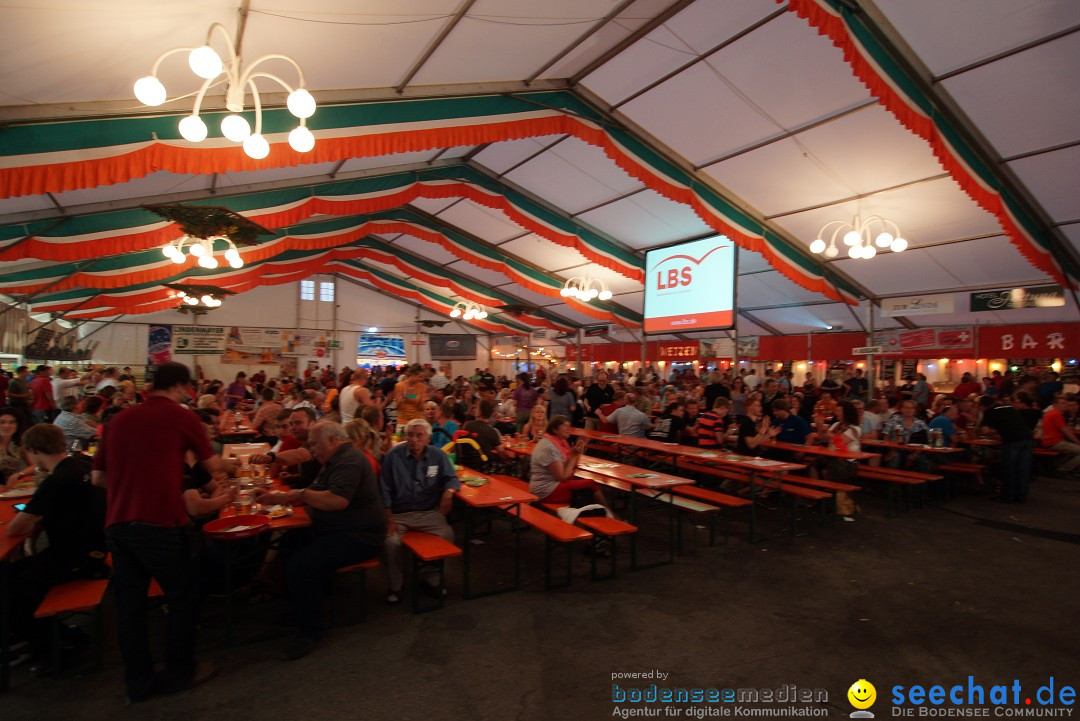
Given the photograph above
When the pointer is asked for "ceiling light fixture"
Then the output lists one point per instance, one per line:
(206, 63)
(467, 310)
(197, 299)
(585, 288)
(863, 237)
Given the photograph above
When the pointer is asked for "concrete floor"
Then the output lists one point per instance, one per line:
(967, 587)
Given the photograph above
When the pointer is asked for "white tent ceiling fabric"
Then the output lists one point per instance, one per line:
(746, 94)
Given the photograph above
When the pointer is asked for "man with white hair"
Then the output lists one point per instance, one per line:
(75, 428)
(347, 527)
(417, 482)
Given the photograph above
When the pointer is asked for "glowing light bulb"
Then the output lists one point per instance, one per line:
(855, 251)
(205, 62)
(301, 140)
(818, 246)
(455, 312)
(197, 250)
(300, 103)
(869, 252)
(208, 262)
(256, 147)
(191, 300)
(899, 245)
(193, 129)
(832, 251)
(883, 240)
(207, 300)
(851, 237)
(150, 91)
(235, 128)
(605, 295)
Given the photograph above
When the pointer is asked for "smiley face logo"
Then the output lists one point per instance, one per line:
(862, 694)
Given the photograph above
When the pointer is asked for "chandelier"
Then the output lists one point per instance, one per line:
(467, 310)
(585, 288)
(203, 250)
(863, 237)
(206, 63)
(197, 299)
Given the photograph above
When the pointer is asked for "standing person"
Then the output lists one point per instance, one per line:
(1017, 446)
(525, 397)
(563, 401)
(354, 395)
(715, 389)
(920, 391)
(236, 393)
(418, 483)
(148, 529)
(18, 394)
(856, 386)
(409, 395)
(596, 395)
(42, 403)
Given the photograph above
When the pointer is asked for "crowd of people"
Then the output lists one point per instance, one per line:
(366, 451)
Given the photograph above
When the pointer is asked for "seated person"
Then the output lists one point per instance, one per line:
(534, 428)
(488, 438)
(445, 425)
(628, 420)
(754, 429)
(905, 427)
(712, 426)
(347, 527)
(77, 432)
(1058, 436)
(551, 470)
(14, 464)
(72, 513)
(417, 484)
(669, 425)
(690, 419)
(793, 429)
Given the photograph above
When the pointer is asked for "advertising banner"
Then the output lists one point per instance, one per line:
(380, 346)
(1044, 296)
(198, 340)
(918, 305)
(159, 345)
(690, 287)
(927, 342)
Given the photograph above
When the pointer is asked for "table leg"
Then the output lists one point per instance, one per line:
(466, 549)
(5, 620)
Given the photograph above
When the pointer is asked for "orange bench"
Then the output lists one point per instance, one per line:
(896, 478)
(69, 599)
(722, 501)
(361, 569)
(604, 528)
(428, 548)
(557, 533)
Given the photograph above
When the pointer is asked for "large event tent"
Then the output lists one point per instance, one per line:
(488, 150)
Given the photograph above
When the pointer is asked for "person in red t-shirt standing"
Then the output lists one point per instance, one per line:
(42, 403)
(140, 463)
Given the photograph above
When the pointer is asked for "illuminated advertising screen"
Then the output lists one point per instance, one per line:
(690, 286)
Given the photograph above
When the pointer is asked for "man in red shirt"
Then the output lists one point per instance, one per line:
(140, 463)
(617, 401)
(1057, 435)
(42, 403)
(967, 387)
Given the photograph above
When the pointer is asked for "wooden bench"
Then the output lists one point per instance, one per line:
(360, 569)
(951, 470)
(832, 487)
(604, 528)
(896, 479)
(68, 599)
(557, 533)
(428, 548)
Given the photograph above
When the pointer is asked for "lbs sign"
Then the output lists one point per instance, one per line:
(690, 287)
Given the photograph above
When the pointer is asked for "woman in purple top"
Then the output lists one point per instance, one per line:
(524, 399)
(236, 392)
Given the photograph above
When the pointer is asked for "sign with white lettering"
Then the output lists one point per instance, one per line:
(866, 350)
(1043, 296)
(690, 286)
(917, 305)
(198, 340)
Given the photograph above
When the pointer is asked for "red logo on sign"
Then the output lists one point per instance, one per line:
(675, 277)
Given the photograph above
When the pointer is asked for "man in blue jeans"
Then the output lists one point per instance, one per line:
(1017, 446)
(140, 463)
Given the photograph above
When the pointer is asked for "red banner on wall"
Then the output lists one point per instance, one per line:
(1039, 340)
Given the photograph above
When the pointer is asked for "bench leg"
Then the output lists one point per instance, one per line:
(597, 539)
(416, 582)
(550, 548)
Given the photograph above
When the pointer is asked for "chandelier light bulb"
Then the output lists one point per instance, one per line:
(455, 312)
(256, 147)
(605, 295)
(869, 252)
(193, 129)
(150, 91)
(232, 254)
(207, 300)
(205, 62)
(468, 315)
(483, 314)
(855, 251)
(818, 246)
(235, 262)
(832, 251)
(208, 261)
(851, 237)
(197, 250)
(565, 292)
(883, 240)
(168, 251)
(191, 300)
(899, 245)
(301, 140)
(300, 103)
(235, 128)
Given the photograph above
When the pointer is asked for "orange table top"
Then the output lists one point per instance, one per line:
(493, 493)
(631, 474)
(917, 448)
(820, 451)
(7, 512)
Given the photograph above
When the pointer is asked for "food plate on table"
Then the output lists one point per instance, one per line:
(273, 512)
(236, 527)
(474, 481)
(24, 492)
(643, 475)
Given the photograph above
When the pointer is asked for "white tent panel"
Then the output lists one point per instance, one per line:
(1072, 235)
(802, 320)
(953, 34)
(764, 289)
(998, 262)
(646, 219)
(383, 41)
(706, 23)
(491, 225)
(721, 120)
(629, 20)
(908, 272)
(500, 157)
(543, 253)
(928, 212)
(573, 176)
(659, 52)
(383, 161)
(570, 314)
(746, 327)
(483, 275)
(1041, 81)
(25, 204)
(1054, 179)
(805, 82)
(318, 171)
(155, 184)
(633, 301)
(434, 206)
(492, 26)
(751, 262)
(527, 296)
(425, 249)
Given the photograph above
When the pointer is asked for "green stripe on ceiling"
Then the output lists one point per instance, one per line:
(102, 133)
